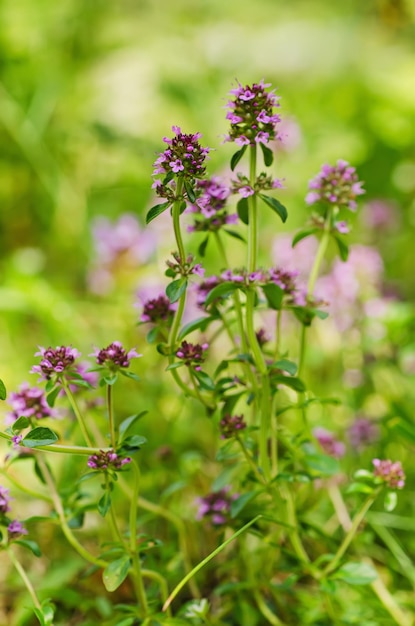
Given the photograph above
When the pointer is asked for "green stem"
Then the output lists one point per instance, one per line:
(62, 449)
(251, 461)
(146, 573)
(135, 554)
(62, 519)
(18, 566)
(176, 219)
(253, 215)
(321, 251)
(205, 561)
(357, 520)
(75, 409)
(292, 521)
(110, 408)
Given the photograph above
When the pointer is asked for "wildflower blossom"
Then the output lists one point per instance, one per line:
(230, 425)
(157, 310)
(363, 432)
(115, 356)
(251, 114)
(4, 500)
(183, 267)
(216, 506)
(183, 157)
(192, 354)
(107, 459)
(262, 183)
(15, 530)
(391, 473)
(337, 185)
(329, 443)
(55, 362)
(28, 402)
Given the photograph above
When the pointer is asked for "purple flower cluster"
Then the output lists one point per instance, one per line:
(4, 500)
(193, 354)
(183, 267)
(108, 459)
(55, 362)
(184, 157)
(390, 473)
(15, 528)
(115, 356)
(337, 185)
(216, 506)
(28, 402)
(251, 114)
(262, 183)
(328, 442)
(363, 432)
(210, 208)
(157, 310)
(230, 425)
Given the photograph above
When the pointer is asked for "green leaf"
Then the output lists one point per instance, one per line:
(242, 209)
(221, 291)
(3, 392)
(39, 437)
(343, 248)
(391, 500)
(174, 366)
(201, 323)
(358, 487)
(156, 210)
(205, 380)
(20, 424)
(356, 573)
(202, 247)
(303, 234)
(275, 206)
(274, 295)
(152, 335)
(234, 234)
(289, 381)
(30, 545)
(323, 464)
(268, 154)
(133, 442)
(131, 375)
(240, 503)
(237, 157)
(175, 289)
(104, 503)
(286, 366)
(51, 397)
(190, 191)
(115, 573)
(130, 421)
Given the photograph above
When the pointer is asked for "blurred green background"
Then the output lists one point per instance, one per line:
(89, 88)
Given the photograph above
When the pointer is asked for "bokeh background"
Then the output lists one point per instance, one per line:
(88, 89)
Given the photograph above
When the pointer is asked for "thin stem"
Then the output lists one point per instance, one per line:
(62, 449)
(176, 219)
(205, 561)
(110, 408)
(251, 461)
(75, 409)
(13, 558)
(135, 554)
(351, 533)
(62, 519)
(253, 216)
(292, 521)
(388, 600)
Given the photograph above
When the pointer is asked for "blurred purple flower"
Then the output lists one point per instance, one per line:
(108, 459)
(28, 402)
(230, 425)
(381, 215)
(158, 310)
(363, 432)
(15, 530)
(4, 500)
(192, 354)
(390, 473)
(216, 506)
(328, 442)
(336, 184)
